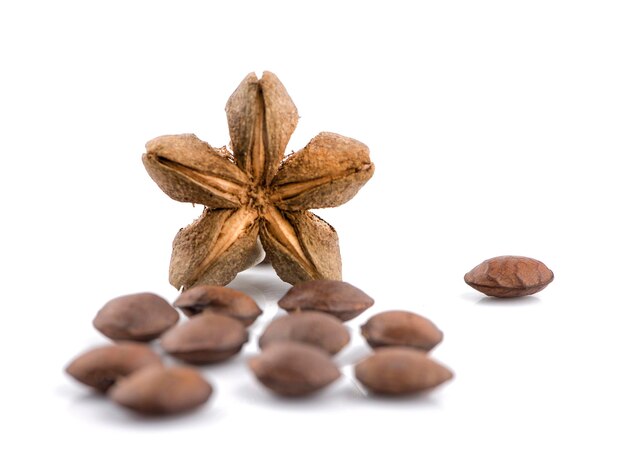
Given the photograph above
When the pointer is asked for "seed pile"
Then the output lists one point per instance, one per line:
(297, 348)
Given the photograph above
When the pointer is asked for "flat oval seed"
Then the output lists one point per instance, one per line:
(509, 276)
(400, 371)
(401, 328)
(220, 301)
(335, 297)
(157, 390)
(136, 317)
(101, 367)
(308, 327)
(205, 339)
(293, 369)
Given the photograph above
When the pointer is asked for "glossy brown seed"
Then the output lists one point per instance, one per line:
(157, 390)
(309, 327)
(294, 369)
(400, 371)
(401, 328)
(102, 366)
(219, 301)
(337, 298)
(509, 276)
(136, 317)
(205, 339)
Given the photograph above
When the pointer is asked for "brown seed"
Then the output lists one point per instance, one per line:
(509, 276)
(219, 301)
(157, 390)
(294, 369)
(308, 327)
(136, 317)
(401, 328)
(205, 339)
(400, 371)
(337, 298)
(101, 367)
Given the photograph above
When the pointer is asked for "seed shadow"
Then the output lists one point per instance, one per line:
(517, 301)
(130, 418)
(90, 403)
(345, 393)
(252, 391)
(100, 407)
(89, 397)
(427, 399)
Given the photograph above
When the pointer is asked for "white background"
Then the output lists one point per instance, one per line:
(496, 127)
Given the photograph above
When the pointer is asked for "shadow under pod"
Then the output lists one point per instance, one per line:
(517, 301)
(261, 283)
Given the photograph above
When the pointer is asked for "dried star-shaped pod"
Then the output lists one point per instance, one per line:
(257, 193)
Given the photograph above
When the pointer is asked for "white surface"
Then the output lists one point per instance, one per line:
(496, 128)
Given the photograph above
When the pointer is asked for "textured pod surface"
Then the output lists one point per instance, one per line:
(308, 327)
(294, 369)
(189, 170)
(337, 298)
(401, 328)
(205, 338)
(102, 366)
(257, 191)
(220, 301)
(400, 371)
(214, 248)
(135, 317)
(300, 246)
(157, 390)
(509, 276)
(328, 172)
